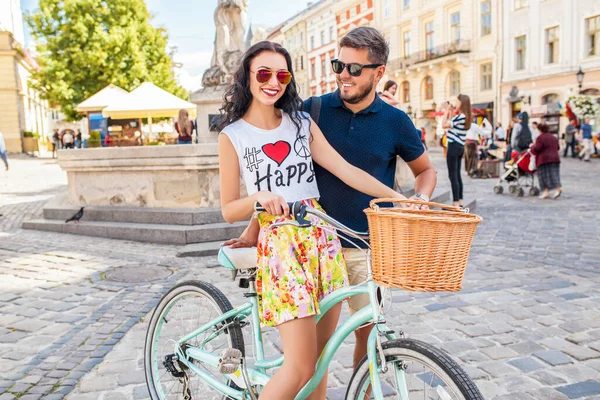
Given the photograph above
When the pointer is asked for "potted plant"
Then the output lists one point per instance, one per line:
(31, 142)
(95, 139)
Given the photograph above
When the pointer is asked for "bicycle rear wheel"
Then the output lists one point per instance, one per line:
(429, 374)
(186, 307)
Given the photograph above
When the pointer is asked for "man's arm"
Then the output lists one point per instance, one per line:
(425, 175)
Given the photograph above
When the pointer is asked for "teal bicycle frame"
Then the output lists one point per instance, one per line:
(258, 375)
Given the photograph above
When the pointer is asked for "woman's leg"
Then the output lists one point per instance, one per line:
(299, 341)
(459, 178)
(325, 329)
(451, 162)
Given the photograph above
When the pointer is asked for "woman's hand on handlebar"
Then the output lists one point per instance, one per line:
(272, 203)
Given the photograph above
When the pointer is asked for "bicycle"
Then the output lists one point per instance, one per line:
(192, 353)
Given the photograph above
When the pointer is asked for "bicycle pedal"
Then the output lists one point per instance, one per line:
(230, 361)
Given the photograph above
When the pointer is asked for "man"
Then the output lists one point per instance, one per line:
(78, 139)
(3, 151)
(535, 132)
(570, 138)
(55, 142)
(67, 139)
(500, 133)
(370, 134)
(588, 145)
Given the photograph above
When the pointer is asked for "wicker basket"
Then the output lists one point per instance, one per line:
(420, 250)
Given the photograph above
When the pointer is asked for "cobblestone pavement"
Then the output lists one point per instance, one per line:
(525, 326)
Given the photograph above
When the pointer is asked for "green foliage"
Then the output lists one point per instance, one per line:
(31, 134)
(85, 45)
(95, 139)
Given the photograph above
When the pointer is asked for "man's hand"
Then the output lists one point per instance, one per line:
(239, 243)
(248, 238)
(418, 206)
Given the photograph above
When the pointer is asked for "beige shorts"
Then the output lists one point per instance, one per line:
(356, 264)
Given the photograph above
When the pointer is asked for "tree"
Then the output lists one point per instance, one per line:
(85, 45)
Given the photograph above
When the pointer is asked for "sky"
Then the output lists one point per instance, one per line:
(191, 27)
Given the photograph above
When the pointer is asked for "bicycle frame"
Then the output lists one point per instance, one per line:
(258, 375)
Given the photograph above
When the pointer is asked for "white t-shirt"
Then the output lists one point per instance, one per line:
(277, 160)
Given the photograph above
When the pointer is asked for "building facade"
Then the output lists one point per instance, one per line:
(350, 14)
(294, 32)
(21, 108)
(440, 49)
(321, 34)
(546, 43)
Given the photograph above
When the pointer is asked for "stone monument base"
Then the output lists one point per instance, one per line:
(209, 101)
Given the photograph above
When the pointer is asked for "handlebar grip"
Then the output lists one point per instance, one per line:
(259, 208)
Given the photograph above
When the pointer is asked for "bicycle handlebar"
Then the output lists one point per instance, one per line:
(299, 211)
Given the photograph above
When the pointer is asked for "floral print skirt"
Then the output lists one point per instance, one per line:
(297, 267)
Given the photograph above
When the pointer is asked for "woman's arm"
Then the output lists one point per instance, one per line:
(232, 207)
(326, 156)
(447, 121)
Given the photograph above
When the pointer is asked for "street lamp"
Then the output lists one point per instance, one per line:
(580, 75)
(409, 110)
(434, 105)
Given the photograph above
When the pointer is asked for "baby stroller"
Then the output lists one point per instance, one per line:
(518, 175)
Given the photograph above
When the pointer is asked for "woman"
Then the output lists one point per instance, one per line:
(389, 93)
(521, 134)
(471, 142)
(184, 127)
(547, 161)
(267, 142)
(457, 132)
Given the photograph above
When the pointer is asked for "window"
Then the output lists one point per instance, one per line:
(406, 92)
(322, 38)
(520, 52)
(428, 82)
(429, 37)
(454, 83)
(486, 17)
(312, 42)
(331, 34)
(386, 9)
(406, 42)
(313, 72)
(486, 76)
(520, 4)
(301, 39)
(455, 27)
(592, 28)
(406, 4)
(302, 63)
(550, 98)
(323, 67)
(552, 45)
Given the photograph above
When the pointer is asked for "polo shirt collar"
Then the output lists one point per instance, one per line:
(374, 107)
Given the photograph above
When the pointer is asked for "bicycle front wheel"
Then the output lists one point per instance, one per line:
(426, 373)
(186, 307)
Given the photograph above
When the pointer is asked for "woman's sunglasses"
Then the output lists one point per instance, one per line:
(264, 75)
(354, 69)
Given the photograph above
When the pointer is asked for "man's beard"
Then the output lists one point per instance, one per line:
(363, 91)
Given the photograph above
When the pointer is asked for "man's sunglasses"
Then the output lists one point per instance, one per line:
(354, 69)
(264, 75)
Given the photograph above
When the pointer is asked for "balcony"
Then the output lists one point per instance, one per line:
(448, 49)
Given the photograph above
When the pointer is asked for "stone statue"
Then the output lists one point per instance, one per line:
(230, 24)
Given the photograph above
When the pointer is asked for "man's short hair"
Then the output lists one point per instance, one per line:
(369, 38)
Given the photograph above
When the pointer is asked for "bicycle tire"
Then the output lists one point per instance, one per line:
(426, 354)
(233, 333)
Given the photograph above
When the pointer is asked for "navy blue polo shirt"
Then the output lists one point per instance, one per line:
(370, 140)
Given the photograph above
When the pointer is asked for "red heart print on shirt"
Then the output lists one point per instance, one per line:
(277, 151)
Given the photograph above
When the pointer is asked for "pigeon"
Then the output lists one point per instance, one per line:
(76, 217)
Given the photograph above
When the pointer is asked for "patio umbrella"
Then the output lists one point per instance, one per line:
(101, 99)
(148, 101)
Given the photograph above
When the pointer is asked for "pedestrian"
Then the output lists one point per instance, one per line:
(55, 142)
(78, 139)
(363, 128)
(3, 155)
(458, 126)
(570, 138)
(521, 135)
(500, 132)
(424, 137)
(588, 145)
(534, 131)
(184, 127)
(547, 162)
(85, 137)
(389, 93)
(262, 108)
(471, 142)
(67, 139)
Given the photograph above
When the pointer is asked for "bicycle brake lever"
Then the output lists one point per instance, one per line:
(299, 212)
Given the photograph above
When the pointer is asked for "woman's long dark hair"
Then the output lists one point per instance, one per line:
(237, 97)
(465, 108)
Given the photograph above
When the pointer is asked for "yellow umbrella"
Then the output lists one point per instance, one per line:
(103, 98)
(148, 101)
